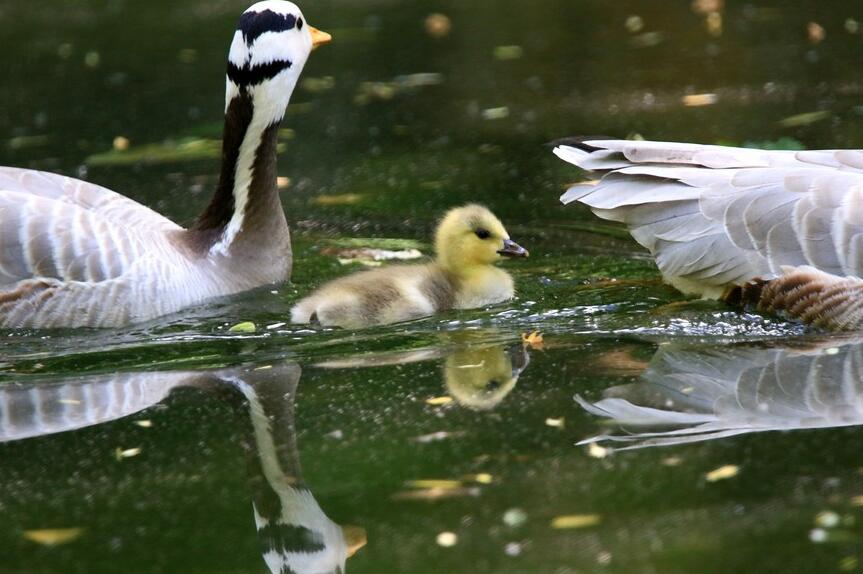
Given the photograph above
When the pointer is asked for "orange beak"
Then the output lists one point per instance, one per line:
(319, 37)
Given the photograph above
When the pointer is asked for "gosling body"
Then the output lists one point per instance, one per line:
(468, 241)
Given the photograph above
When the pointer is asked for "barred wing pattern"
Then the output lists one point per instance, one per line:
(717, 216)
(67, 247)
(705, 394)
(41, 408)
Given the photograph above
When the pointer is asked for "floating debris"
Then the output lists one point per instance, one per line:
(438, 401)
(815, 32)
(647, 40)
(92, 59)
(707, 6)
(514, 517)
(438, 25)
(495, 113)
(368, 92)
(804, 119)
(283, 182)
(827, 519)
(596, 451)
(437, 436)
(120, 143)
(852, 26)
(504, 53)
(447, 539)
(318, 85)
(555, 422)
(533, 340)
(857, 500)
(144, 423)
(186, 149)
(575, 521)
(432, 494)
(53, 536)
(433, 483)
(275, 325)
(633, 24)
(672, 461)
(244, 327)
(512, 549)
(698, 100)
(26, 142)
(120, 453)
(480, 478)
(338, 199)
(722, 473)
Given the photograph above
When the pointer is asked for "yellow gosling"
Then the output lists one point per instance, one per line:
(469, 240)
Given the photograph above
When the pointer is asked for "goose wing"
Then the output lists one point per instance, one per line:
(55, 227)
(715, 216)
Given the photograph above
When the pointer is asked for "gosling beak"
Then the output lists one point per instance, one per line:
(512, 249)
(318, 37)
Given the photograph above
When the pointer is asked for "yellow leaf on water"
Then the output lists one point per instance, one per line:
(533, 340)
(53, 536)
(575, 521)
(438, 401)
(433, 483)
(723, 472)
(698, 100)
(338, 199)
(244, 327)
(804, 119)
(120, 454)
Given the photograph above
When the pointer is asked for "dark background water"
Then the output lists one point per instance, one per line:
(78, 74)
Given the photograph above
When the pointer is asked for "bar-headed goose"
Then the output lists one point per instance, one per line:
(75, 254)
(468, 241)
(717, 218)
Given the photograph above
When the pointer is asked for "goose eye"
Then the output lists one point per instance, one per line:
(482, 233)
(299, 23)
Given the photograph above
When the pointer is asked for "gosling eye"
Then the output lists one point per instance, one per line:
(299, 23)
(482, 233)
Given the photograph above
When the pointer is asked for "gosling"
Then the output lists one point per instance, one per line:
(469, 240)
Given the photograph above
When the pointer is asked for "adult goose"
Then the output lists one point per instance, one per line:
(781, 229)
(74, 254)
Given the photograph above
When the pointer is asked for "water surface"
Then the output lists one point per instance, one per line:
(151, 445)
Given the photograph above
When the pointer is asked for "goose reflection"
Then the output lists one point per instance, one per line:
(689, 393)
(295, 534)
(478, 376)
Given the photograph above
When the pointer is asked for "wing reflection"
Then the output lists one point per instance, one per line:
(295, 534)
(691, 394)
(478, 376)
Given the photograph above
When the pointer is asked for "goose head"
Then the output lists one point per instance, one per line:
(470, 237)
(268, 51)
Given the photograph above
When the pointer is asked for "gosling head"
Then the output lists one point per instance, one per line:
(471, 236)
(268, 52)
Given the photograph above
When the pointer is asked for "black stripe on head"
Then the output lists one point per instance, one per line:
(253, 75)
(290, 539)
(253, 24)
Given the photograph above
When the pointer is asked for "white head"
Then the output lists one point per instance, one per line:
(268, 52)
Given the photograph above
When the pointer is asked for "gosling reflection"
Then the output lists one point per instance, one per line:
(690, 394)
(481, 378)
(477, 376)
(296, 535)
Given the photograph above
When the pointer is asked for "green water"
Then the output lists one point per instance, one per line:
(355, 416)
